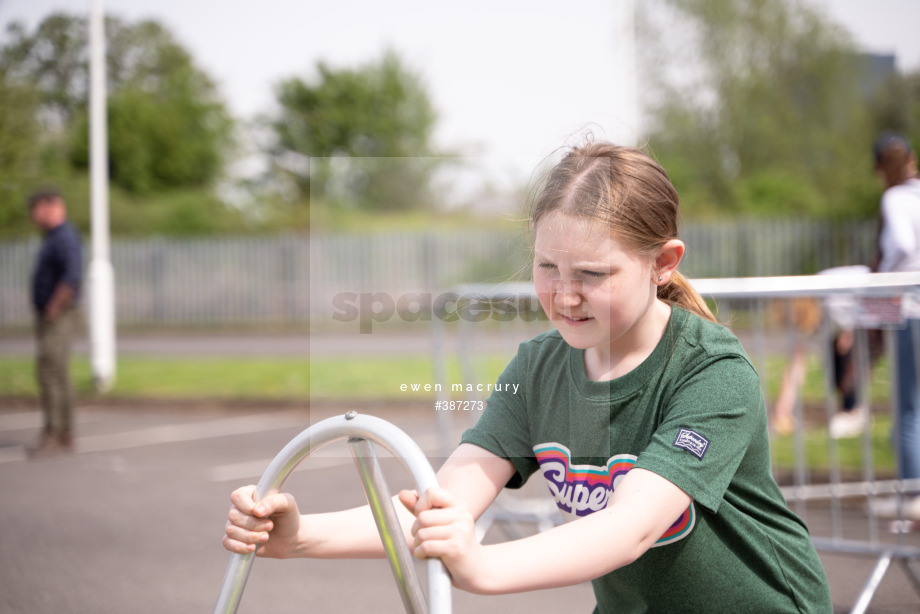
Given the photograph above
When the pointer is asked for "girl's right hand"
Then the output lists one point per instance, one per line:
(273, 524)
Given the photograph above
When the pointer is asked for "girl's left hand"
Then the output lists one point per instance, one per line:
(445, 529)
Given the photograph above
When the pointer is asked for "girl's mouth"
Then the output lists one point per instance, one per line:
(576, 321)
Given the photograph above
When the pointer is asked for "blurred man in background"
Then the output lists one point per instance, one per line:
(55, 289)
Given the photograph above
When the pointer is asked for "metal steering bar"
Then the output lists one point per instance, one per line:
(362, 432)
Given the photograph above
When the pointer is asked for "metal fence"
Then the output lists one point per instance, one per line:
(854, 502)
(286, 279)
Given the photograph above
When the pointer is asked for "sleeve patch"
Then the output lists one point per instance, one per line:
(692, 442)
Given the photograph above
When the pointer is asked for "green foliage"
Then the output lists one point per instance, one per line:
(190, 211)
(174, 212)
(168, 130)
(366, 132)
(376, 378)
(376, 110)
(897, 106)
(848, 451)
(158, 141)
(337, 219)
(19, 149)
(776, 124)
(53, 59)
(774, 190)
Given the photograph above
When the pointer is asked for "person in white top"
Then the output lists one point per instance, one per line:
(899, 250)
(899, 239)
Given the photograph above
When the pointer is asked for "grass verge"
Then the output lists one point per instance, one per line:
(819, 448)
(381, 378)
(252, 378)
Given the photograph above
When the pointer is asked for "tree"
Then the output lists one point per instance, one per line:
(776, 123)
(19, 148)
(39, 81)
(54, 60)
(366, 131)
(167, 125)
(897, 105)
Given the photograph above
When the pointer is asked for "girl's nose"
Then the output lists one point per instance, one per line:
(567, 293)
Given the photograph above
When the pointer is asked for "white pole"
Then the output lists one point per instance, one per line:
(101, 276)
(628, 98)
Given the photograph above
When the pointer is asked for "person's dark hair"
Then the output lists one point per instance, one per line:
(893, 154)
(627, 191)
(43, 195)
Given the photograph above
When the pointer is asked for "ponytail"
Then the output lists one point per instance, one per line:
(680, 292)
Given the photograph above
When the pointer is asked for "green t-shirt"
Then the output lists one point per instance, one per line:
(693, 413)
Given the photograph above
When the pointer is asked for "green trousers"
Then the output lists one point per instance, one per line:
(53, 371)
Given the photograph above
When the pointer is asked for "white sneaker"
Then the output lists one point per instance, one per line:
(908, 510)
(851, 423)
(902, 527)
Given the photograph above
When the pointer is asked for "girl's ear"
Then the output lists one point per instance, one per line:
(666, 261)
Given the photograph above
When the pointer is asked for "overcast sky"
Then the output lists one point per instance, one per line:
(510, 78)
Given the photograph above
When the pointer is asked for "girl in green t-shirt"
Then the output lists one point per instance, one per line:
(686, 454)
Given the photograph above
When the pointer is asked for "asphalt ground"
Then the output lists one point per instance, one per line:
(132, 520)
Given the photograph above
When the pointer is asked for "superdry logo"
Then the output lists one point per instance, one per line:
(692, 442)
(580, 490)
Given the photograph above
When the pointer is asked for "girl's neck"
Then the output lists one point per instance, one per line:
(628, 352)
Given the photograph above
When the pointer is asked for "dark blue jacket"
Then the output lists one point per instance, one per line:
(59, 260)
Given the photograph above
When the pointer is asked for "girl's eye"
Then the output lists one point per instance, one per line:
(592, 273)
(547, 265)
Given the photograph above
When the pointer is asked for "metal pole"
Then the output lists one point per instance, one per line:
(827, 340)
(800, 462)
(439, 350)
(394, 543)
(628, 98)
(868, 591)
(351, 424)
(861, 358)
(912, 574)
(100, 275)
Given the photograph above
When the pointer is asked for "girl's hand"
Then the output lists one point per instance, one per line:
(272, 524)
(445, 529)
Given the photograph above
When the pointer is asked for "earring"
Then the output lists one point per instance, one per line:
(659, 279)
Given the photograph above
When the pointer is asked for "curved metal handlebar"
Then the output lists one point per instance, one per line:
(360, 431)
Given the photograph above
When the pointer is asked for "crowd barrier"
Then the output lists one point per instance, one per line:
(839, 505)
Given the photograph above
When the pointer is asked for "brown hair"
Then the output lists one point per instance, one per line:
(625, 189)
(893, 157)
(43, 195)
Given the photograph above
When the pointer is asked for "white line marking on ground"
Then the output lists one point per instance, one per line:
(12, 454)
(170, 433)
(19, 421)
(22, 421)
(174, 433)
